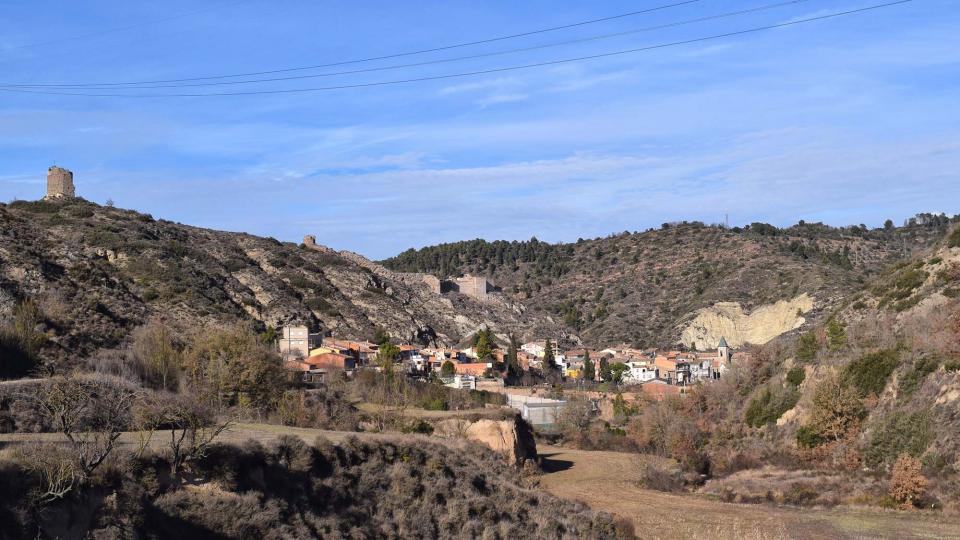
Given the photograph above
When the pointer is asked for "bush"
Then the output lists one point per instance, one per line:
(769, 406)
(869, 373)
(807, 346)
(900, 434)
(800, 495)
(808, 437)
(907, 483)
(796, 376)
(954, 239)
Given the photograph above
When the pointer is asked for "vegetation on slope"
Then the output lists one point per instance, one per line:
(637, 287)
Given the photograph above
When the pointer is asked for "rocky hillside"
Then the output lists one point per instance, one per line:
(97, 272)
(686, 282)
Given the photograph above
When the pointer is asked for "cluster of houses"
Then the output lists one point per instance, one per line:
(658, 372)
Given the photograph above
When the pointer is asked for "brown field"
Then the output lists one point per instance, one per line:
(609, 481)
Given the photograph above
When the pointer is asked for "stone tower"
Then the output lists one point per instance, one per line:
(723, 351)
(60, 184)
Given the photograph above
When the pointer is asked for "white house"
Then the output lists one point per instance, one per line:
(640, 372)
(536, 348)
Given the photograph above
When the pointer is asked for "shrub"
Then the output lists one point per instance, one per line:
(419, 426)
(807, 346)
(954, 239)
(907, 483)
(808, 437)
(660, 479)
(769, 406)
(869, 373)
(800, 494)
(796, 376)
(837, 409)
(900, 434)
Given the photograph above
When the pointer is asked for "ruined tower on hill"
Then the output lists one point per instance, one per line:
(60, 184)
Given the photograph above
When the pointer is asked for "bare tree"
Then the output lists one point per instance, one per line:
(90, 411)
(154, 346)
(58, 473)
(191, 423)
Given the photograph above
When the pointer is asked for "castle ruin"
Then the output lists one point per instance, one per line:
(475, 287)
(60, 184)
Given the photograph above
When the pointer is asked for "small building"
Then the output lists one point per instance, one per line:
(476, 369)
(298, 341)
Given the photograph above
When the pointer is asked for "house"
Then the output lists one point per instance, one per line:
(536, 348)
(463, 382)
(476, 369)
(317, 368)
(296, 341)
(640, 372)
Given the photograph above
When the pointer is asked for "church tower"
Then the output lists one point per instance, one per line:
(723, 351)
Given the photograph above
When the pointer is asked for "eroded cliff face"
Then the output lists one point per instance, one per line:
(739, 328)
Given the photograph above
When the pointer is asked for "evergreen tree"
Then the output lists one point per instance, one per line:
(549, 360)
(483, 344)
(589, 370)
(836, 335)
(513, 360)
(605, 373)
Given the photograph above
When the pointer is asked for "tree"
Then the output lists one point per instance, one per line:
(907, 482)
(888, 225)
(387, 354)
(154, 347)
(91, 412)
(837, 409)
(483, 345)
(807, 346)
(513, 359)
(836, 335)
(192, 424)
(229, 365)
(21, 341)
(616, 372)
(589, 370)
(381, 336)
(605, 373)
(549, 360)
(447, 369)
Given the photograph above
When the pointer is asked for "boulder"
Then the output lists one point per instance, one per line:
(511, 438)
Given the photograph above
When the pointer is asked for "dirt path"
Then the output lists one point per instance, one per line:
(608, 481)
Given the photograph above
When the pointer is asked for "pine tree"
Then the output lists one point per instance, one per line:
(836, 335)
(589, 369)
(548, 356)
(483, 345)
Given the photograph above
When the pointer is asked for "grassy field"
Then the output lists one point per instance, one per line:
(609, 481)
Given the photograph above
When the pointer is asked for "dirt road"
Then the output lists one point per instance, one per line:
(609, 481)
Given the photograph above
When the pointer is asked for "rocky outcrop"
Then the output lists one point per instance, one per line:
(729, 320)
(511, 438)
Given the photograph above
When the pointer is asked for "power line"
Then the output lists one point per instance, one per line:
(397, 55)
(124, 28)
(105, 86)
(486, 71)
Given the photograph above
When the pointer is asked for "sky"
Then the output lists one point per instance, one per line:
(847, 120)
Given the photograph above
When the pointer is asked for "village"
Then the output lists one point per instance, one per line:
(528, 374)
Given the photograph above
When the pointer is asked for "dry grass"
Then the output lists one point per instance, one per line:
(609, 481)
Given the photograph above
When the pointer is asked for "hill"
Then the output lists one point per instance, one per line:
(94, 273)
(677, 283)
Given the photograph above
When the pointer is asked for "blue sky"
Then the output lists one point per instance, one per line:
(850, 120)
